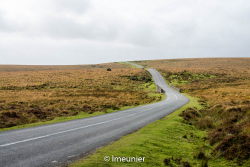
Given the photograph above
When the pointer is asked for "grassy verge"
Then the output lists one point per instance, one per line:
(166, 142)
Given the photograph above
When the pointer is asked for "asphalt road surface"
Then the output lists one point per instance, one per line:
(57, 144)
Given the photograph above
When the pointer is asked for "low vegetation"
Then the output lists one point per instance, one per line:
(31, 94)
(223, 88)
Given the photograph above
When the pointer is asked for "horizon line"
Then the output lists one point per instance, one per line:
(125, 61)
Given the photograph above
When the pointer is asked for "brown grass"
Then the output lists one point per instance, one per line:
(223, 85)
(31, 94)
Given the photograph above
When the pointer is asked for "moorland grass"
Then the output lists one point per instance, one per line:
(149, 89)
(37, 95)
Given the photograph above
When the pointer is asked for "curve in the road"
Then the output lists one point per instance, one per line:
(51, 145)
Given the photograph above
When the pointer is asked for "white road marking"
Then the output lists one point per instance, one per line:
(176, 97)
(90, 118)
(69, 130)
(71, 156)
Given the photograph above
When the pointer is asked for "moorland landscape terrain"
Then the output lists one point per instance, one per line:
(222, 86)
(212, 130)
(135, 83)
(34, 95)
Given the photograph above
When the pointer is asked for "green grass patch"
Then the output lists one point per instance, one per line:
(127, 64)
(150, 87)
(184, 77)
(166, 139)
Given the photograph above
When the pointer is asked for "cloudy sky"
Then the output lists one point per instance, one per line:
(97, 31)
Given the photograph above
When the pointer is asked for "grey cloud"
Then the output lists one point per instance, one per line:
(76, 6)
(67, 28)
(142, 35)
(4, 24)
(95, 31)
(10, 26)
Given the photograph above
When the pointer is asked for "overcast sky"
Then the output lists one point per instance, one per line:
(97, 31)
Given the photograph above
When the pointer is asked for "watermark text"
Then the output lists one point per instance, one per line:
(123, 159)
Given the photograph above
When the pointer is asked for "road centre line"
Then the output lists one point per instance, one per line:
(69, 130)
(61, 132)
(90, 118)
(176, 97)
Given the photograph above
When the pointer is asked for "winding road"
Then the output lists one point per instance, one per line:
(57, 144)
